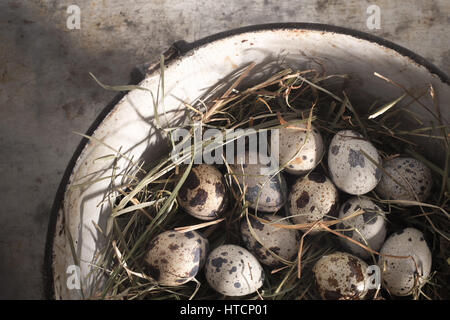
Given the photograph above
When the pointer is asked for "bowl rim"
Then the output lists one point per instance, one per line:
(182, 48)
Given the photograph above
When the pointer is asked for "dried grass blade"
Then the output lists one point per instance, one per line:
(386, 107)
(199, 226)
(129, 88)
(91, 138)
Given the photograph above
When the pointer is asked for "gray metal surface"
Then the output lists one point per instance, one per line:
(46, 92)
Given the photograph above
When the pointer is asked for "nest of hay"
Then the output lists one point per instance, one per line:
(145, 203)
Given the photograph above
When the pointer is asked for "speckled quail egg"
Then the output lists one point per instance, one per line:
(312, 198)
(350, 170)
(368, 228)
(203, 194)
(302, 149)
(341, 276)
(414, 178)
(263, 191)
(233, 271)
(398, 274)
(174, 258)
(283, 242)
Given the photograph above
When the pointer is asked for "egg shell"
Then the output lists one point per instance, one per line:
(312, 198)
(261, 193)
(350, 170)
(369, 226)
(282, 242)
(302, 149)
(414, 178)
(204, 193)
(341, 276)
(233, 271)
(174, 258)
(397, 274)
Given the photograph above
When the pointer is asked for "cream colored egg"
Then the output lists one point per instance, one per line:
(368, 228)
(341, 276)
(282, 242)
(204, 193)
(174, 258)
(300, 150)
(312, 198)
(263, 190)
(413, 177)
(233, 271)
(350, 169)
(401, 276)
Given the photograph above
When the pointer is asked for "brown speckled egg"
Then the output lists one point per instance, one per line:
(341, 276)
(300, 150)
(312, 198)
(368, 228)
(233, 271)
(262, 191)
(414, 178)
(350, 170)
(204, 194)
(174, 258)
(397, 274)
(283, 242)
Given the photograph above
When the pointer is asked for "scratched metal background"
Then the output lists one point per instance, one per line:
(46, 92)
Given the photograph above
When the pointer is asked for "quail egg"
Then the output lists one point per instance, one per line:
(341, 276)
(263, 191)
(412, 175)
(368, 228)
(400, 275)
(350, 170)
(203, 194)
(312, 198)
(174, 258)
(302, 149)
(233, 271)
(283, 242)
